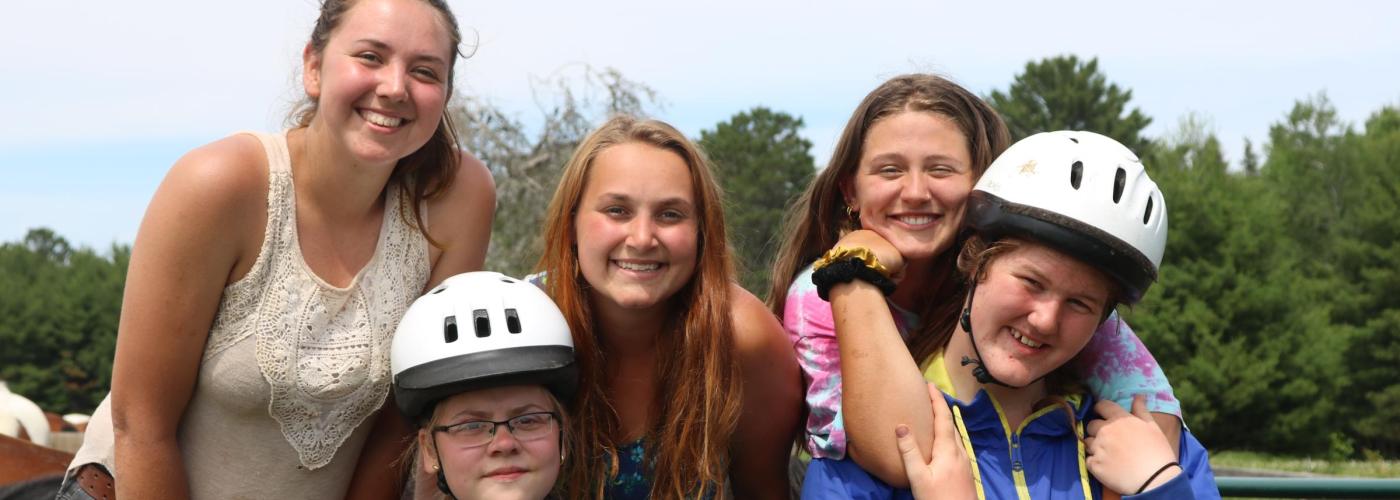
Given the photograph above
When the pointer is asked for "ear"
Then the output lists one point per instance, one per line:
(848, 192)
(427, 454)
(311, 71)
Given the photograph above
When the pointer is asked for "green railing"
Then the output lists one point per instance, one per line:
(1307, 487)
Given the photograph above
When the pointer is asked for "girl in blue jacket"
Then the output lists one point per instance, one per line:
(1062, 227)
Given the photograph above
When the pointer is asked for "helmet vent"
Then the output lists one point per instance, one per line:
(512, 321)
(1147, 214)
(1076, 173)
(449, 329)
(508, 280)
(1119, 180)
(482, 323)
(438, 290)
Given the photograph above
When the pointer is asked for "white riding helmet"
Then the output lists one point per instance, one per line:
(1082, 193)
(478, 330)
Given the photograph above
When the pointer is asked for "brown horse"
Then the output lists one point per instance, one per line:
(22, 460)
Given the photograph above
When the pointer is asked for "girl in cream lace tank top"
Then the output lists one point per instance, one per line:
(293, 366)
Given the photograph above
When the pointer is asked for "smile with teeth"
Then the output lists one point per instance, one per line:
(1024, 340)
(381, 120)
(638, 266)
(915, 220)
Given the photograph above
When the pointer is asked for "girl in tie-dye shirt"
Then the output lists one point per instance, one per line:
(903, 168)
(1115, 365)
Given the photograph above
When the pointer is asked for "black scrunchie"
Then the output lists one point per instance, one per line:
(845, 271)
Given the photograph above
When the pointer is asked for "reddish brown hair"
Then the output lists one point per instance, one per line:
(697, 402)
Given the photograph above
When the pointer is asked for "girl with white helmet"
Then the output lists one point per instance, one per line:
(1064, 226)
(482, 363)
(900, 176)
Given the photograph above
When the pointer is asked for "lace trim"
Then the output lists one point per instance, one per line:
(324, 351)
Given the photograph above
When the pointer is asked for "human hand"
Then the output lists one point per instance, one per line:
(947, 474)
(1126, 449)
(883, 250)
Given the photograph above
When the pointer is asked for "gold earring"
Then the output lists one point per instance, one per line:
(854, 216)
(436, 468)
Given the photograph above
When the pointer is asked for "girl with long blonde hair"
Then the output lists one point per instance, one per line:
(687, 384)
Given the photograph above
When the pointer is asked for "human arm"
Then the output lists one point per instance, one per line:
(948, 474)
(202, 230)
(460, 221)
(772, 405)
(1126, 451)
(1116, 366)
(882, 386)
(383, 466)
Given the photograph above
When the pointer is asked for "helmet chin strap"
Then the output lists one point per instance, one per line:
(979, 368)
(442, 471)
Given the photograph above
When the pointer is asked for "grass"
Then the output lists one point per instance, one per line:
(1349, 468)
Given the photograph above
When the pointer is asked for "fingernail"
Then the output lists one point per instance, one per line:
(901, 430)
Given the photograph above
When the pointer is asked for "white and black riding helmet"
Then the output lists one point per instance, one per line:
(1081, 193)
(479, 330)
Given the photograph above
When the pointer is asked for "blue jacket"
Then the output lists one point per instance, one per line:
(1042, 459)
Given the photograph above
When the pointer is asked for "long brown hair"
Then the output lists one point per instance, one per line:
(697, 402)
(428, 172)
(817, 219)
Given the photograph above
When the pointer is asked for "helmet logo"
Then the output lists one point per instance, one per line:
(1028, 168)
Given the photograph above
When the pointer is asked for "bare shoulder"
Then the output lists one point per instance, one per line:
(460, 220)
(756, 330)
(213, 198)
(229, 171)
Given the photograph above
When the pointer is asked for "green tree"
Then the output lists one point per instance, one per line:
(1238, 323)
(1064, 92)
(762, 163)
(526, 166)
(1368, 257)
(59, 308)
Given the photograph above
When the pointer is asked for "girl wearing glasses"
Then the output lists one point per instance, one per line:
(481, 363)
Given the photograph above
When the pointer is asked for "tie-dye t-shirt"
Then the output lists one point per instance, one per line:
(1115, 365)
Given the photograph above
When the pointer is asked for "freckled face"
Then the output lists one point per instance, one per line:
(1034, 311)
(914, 176)
(381, 82)
(636, 226)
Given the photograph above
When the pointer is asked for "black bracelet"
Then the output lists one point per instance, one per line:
(1154, 476)
(846, 271)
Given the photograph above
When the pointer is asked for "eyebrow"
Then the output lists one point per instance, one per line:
(384, 46)
(485, 415)
(898, 158)
(665, 202)
(1086, 297)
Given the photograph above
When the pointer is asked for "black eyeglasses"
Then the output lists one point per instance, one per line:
(524, 427)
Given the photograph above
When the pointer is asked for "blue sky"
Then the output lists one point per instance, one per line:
(104, 96)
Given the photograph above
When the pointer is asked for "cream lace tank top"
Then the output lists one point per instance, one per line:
(293, 366)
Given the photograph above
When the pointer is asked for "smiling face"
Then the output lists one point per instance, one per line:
(505, 468)
(1035, 309)
(636, 226)
(381, 80)
(914, 175)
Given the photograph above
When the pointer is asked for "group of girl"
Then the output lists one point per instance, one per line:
(281, 284)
